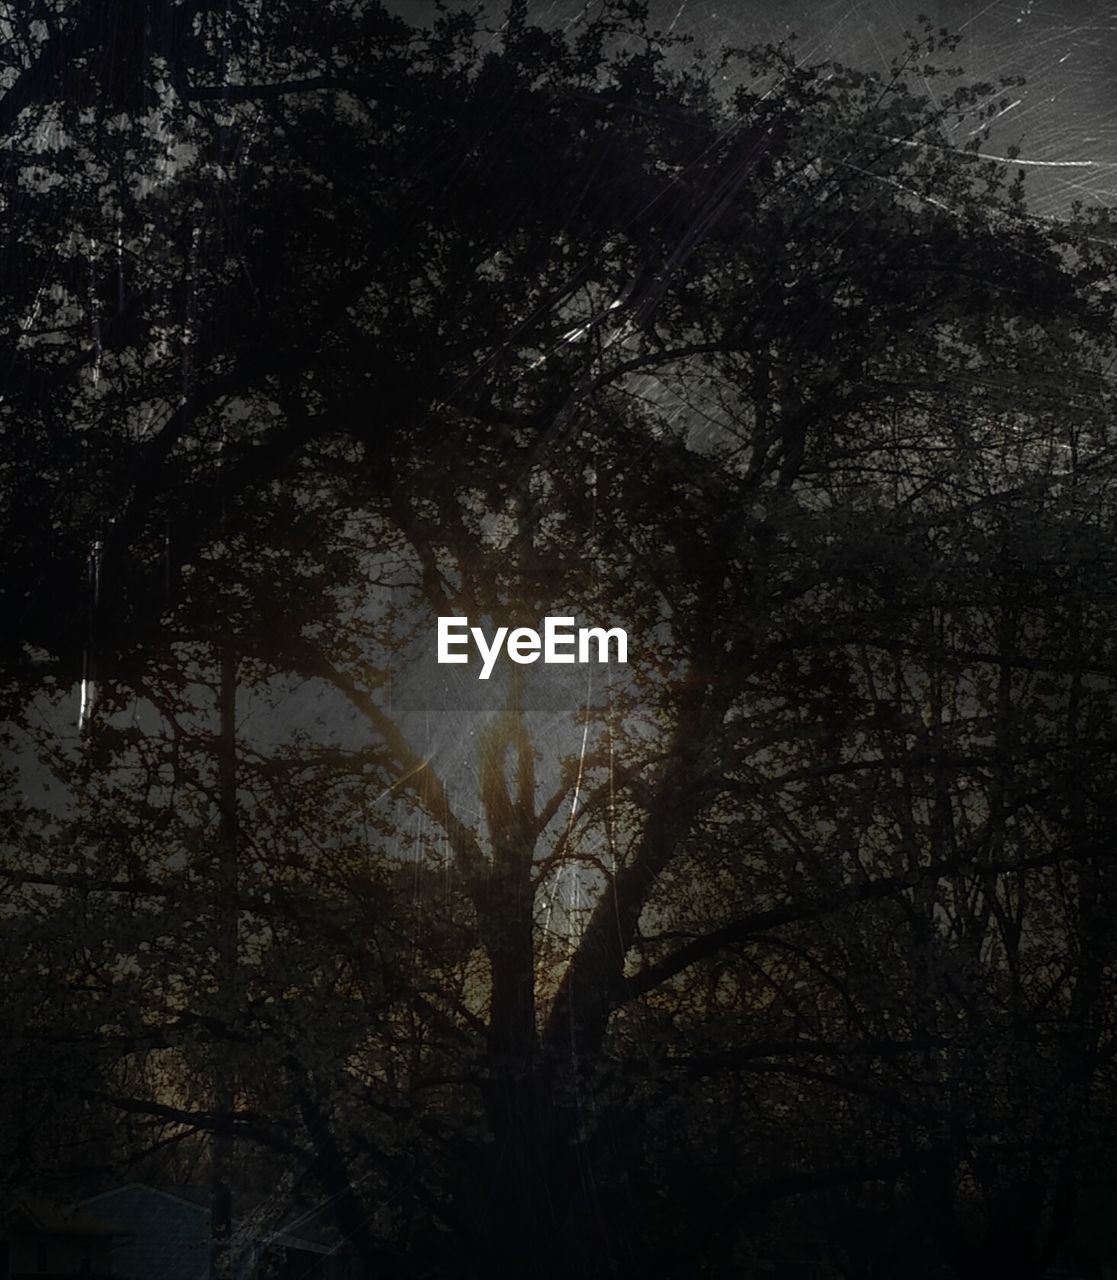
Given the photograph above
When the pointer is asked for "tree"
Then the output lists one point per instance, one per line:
(424, 322)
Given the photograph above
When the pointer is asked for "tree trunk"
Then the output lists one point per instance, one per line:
(221, 1196)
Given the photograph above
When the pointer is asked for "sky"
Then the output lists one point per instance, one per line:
(1064, 119)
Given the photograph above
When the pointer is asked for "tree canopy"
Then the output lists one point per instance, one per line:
(320, 325)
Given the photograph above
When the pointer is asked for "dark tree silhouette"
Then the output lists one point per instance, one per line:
(320, 326)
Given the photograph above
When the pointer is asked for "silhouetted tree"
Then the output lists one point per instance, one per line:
(321, 326)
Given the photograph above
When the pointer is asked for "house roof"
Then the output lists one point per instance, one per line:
(193, 1197)
(311, 1232)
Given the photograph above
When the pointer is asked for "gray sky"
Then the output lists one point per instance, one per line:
(1065, 122)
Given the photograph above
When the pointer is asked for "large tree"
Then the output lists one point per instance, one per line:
(320, 326)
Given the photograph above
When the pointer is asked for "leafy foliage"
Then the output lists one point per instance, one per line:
(321, 325)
